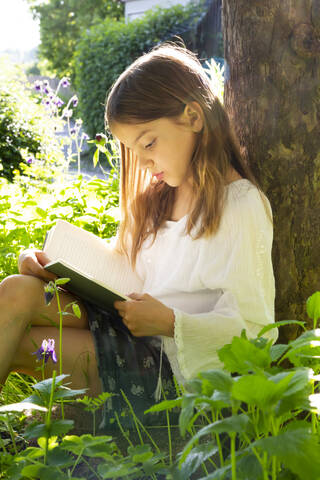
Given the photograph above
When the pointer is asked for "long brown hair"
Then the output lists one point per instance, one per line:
(160, 84)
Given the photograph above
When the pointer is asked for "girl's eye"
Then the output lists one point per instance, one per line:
(147, 147)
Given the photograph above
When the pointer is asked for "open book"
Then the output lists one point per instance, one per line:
(97, 273)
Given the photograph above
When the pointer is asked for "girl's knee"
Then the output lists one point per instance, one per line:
(17, 289)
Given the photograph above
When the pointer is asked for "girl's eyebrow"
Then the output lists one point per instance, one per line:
(141, 135)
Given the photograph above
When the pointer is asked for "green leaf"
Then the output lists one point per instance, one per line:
(45, 385)
(261, 391)
(187, 412)
(117, 471)
(64, 392)
(313, 306)
(233, 424)
(297, 448)
(60, 427)
(219, 379)
(35, 430)
(276, 351)
(62, 281)
(59, 458)
(242, 356)
(76, 310)
(165, 405)
(88, 445)
(198, 455)
(281, 323)
(140, 453)
(96, 157)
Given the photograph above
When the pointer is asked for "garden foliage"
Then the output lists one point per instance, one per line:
(108, 48)
(27, 134)
(61, 26)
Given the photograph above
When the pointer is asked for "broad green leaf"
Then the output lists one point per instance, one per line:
(65, 392)
(313, 306)
(187, 412)
(45, 385)
(297, 448)
(117, 471)
(233, 424)
(88, 445)
(165, 405)
(196, 456)
(219, 379)
(242, 356)
(32, 471)
(261, 391)
(35, 431)
(281, 323)
(60, 427)
(276, 351)
(140, 453)
(22, 406)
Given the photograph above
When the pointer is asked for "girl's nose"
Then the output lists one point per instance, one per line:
(145, 161)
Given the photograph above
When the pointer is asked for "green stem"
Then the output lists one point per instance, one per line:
(133, 416)
(233, 456)
(48, 417)
(265, 466)
(11, 432)
(126, 436)
(169, 437)
(60, 340)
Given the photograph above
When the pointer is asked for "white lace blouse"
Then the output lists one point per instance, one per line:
(217, 286)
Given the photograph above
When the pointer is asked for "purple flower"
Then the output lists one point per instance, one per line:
(65, 82)
(73, 131)
(38, 86)
(46, 90)
(46, 351)
(58, 102)
(29, 160)
(46, 83)
(75, 102)
(85, 136)
(48, 296)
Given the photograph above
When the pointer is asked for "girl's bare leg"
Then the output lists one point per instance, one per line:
(22, 304)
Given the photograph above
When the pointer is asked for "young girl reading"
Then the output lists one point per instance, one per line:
(195, 227)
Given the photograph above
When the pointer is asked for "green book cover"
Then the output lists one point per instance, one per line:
(84, 287)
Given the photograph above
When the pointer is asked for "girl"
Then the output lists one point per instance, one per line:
(195, 227)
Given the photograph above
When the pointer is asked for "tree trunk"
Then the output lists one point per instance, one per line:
(272, 93)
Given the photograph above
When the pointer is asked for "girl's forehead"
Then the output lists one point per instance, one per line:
(130, 133)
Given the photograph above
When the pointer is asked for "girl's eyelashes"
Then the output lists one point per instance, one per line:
(150, 145)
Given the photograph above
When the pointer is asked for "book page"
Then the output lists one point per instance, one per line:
(91, 255)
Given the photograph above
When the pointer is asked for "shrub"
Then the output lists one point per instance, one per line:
(27, 133)
(108, 48)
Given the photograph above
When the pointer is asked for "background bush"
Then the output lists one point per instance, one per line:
(108, 48)
(27, 132)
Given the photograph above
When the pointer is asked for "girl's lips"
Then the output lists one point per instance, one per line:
(158, 176)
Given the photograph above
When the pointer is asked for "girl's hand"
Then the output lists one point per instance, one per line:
(31, 263)
(146, 316)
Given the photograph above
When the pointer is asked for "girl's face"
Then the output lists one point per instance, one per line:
(164, 147)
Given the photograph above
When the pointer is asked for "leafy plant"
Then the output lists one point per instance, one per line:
(27, 135)
(109, 47)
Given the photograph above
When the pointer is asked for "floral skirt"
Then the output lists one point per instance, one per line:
(129, 368)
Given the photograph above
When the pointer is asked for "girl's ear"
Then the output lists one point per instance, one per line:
(193, 116)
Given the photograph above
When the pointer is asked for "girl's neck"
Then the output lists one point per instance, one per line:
(184, 201)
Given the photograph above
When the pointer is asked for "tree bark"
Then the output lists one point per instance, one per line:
(272, 93)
